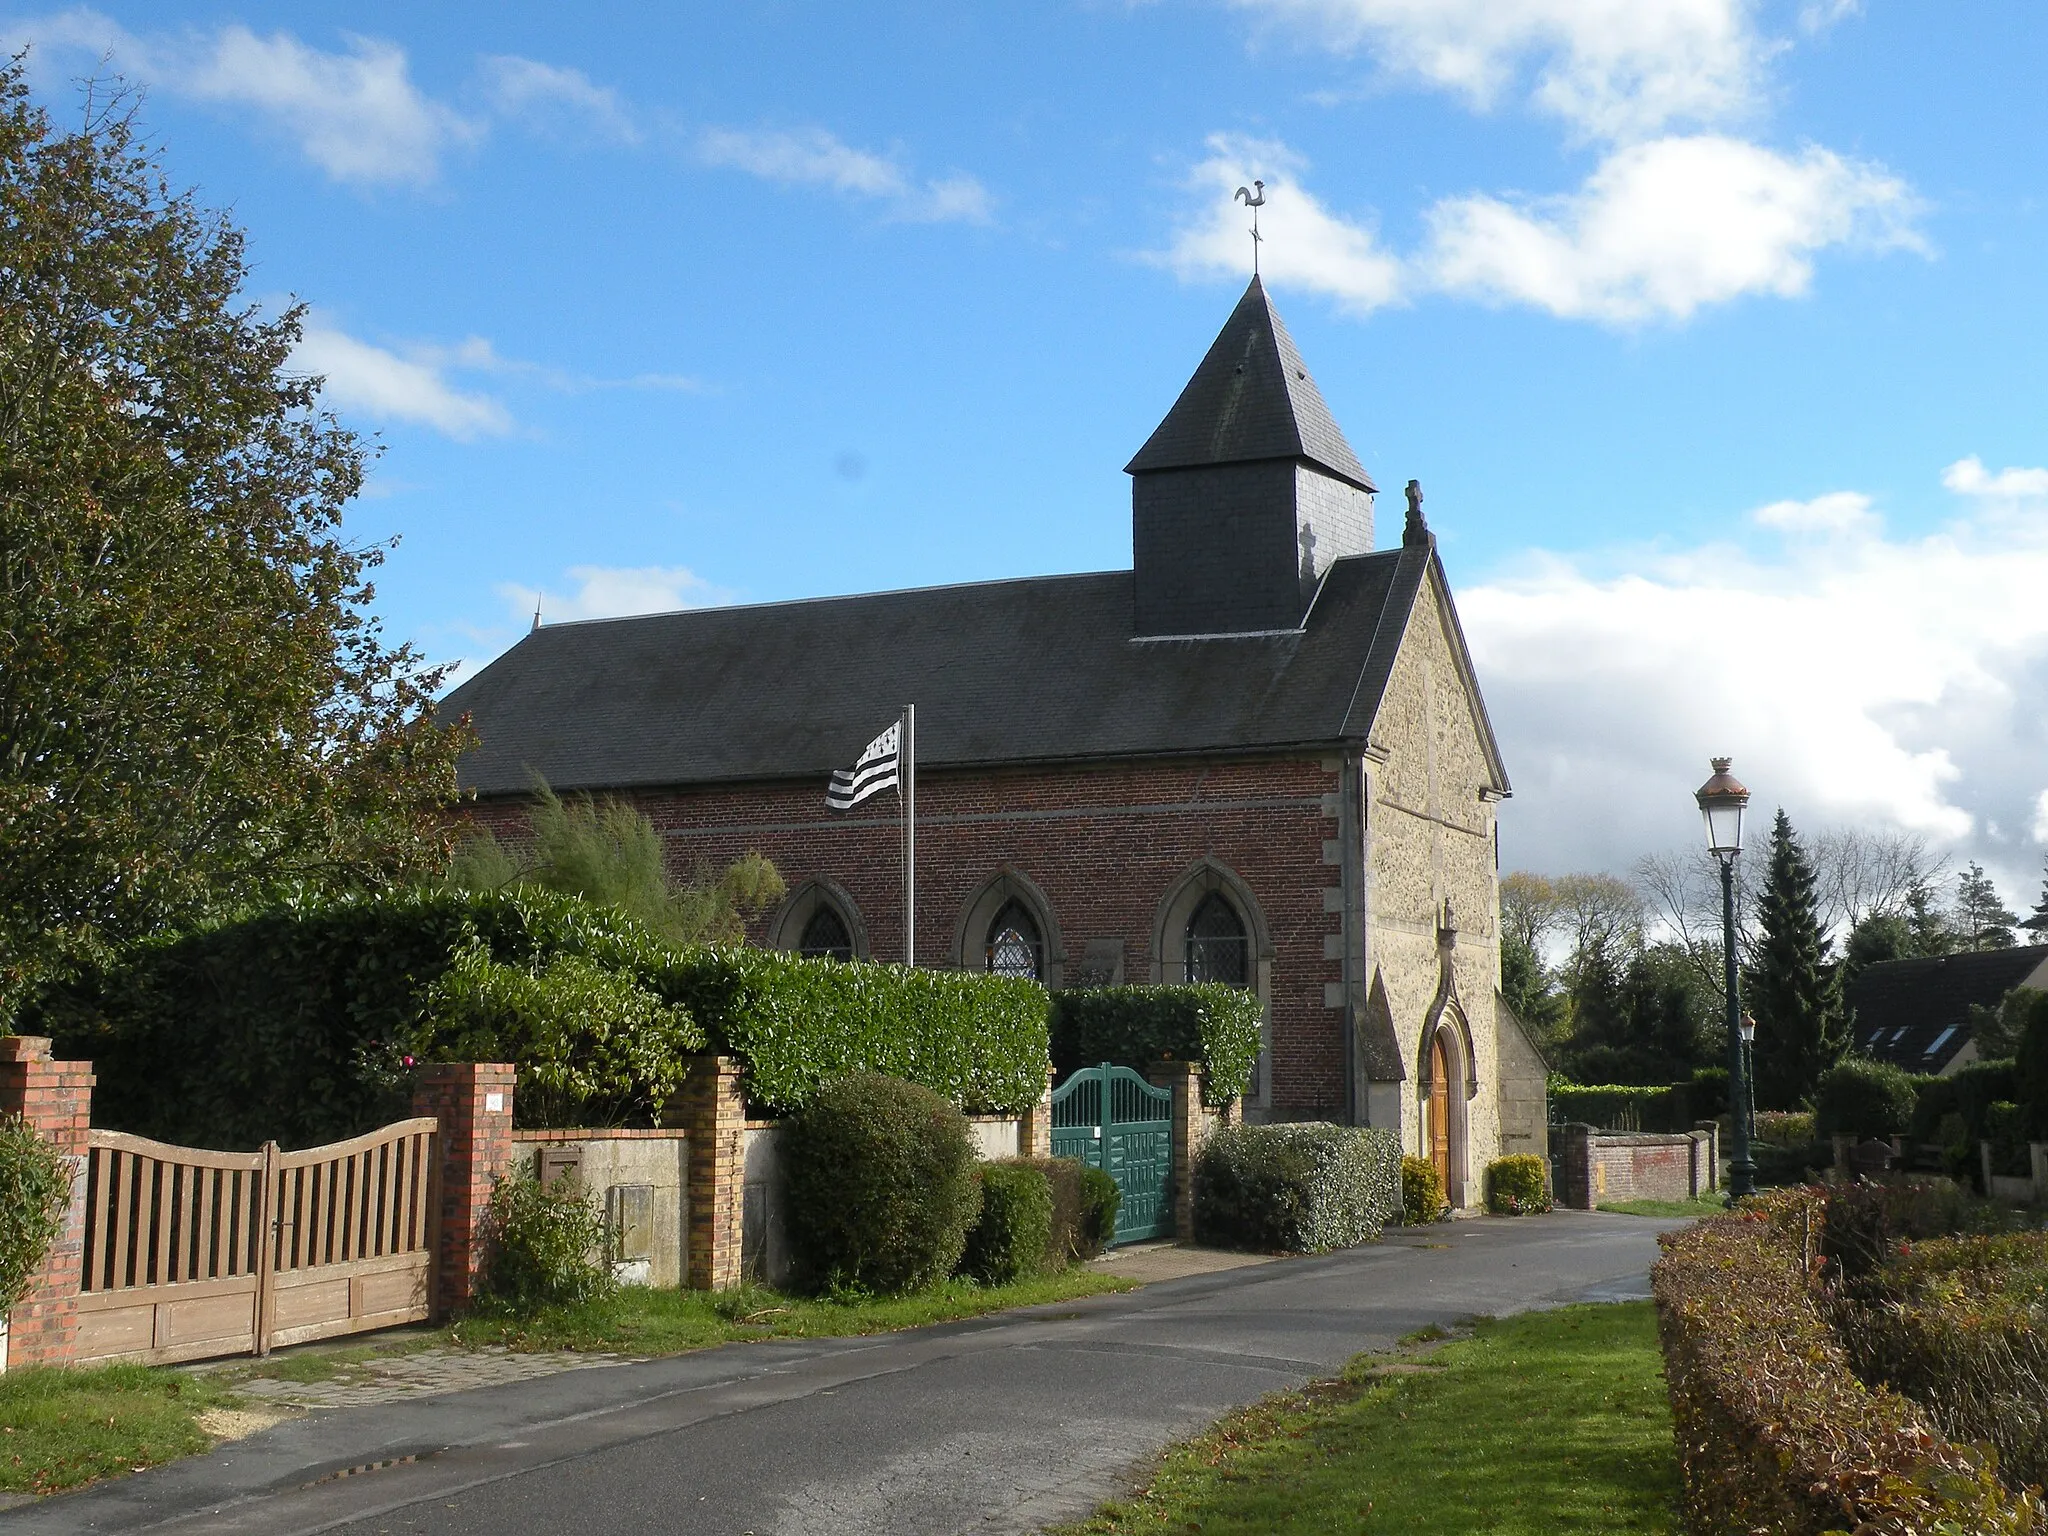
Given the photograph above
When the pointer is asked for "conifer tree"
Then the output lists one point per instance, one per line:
(1981, 918)
(2036, 922)
(1793, 990)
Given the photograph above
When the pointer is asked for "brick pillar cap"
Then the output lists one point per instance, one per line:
(24, 1047)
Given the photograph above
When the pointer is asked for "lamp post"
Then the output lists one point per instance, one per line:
(1722, 800)
(1749, 1071)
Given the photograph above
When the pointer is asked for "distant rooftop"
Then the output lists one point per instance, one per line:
(1916, 1013)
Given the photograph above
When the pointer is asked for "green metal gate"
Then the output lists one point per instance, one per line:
(1111, 1118)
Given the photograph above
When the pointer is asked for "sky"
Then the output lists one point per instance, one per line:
(1716, 331)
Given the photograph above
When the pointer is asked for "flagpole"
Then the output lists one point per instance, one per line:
(910, 834)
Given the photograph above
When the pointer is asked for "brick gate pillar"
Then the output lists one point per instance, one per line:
(713, 1113)
(1185, 1079)
(54, 1098)
(1034, 1126)
(473, 1102)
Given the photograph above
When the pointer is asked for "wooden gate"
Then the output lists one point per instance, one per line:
(1111, 1118)
(191, 1254)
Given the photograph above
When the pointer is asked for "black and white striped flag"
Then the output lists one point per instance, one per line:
(877, 770)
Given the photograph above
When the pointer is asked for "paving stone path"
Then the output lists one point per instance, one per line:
(423, 1373)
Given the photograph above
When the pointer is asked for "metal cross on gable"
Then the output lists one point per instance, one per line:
(1254, 200)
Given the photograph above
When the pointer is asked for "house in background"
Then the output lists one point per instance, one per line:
(1916, 1013)
(1258, 757)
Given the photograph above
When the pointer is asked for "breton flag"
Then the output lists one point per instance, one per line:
(877, 770)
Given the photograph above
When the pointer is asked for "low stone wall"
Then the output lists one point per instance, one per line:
(2028, 1189)
(1608, 1167)
(641, 1178)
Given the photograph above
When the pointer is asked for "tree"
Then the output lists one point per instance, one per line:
(1981, 919)
(197, 709)
(1932, 932)
(610, 853)
(2036, 922)
(1793, 991)
(1641, 1018)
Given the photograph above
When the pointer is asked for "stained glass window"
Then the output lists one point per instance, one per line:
(825, 936)
(1014, 945)
(1216, 945)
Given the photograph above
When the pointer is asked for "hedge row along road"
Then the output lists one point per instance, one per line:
(1006, 1424)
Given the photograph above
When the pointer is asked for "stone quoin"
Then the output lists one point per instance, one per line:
(1260, 756)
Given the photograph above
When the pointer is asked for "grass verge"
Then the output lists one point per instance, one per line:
(1544, 1423)
(640, 1321)
(1712, 1204)
(60, 1428)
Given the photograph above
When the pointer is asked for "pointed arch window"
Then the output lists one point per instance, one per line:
(826, 936)
(1015, 946)
(1218, 948)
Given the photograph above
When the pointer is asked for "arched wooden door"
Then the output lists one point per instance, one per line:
(1440, 1109)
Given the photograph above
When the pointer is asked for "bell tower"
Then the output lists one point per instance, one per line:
(1246, 491)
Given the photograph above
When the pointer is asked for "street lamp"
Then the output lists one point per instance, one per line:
(1749, 1071)
(1722, 800)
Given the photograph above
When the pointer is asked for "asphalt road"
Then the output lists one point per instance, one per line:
(1001, 1425)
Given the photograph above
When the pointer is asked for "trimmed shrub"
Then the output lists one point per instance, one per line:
(1774, 1430)
(1860, 1097)
(1960, 1326)
(35, 1189)
(881, 1186)
(1012, 1238)
(1789, 1128)
(2005, 1128)
(1968, 1093)
(2030, 1067)
(1516, 1185)
(1422, 1193)
(1295, 1188)
(975, 1039)
(544, 1246)
(1134, 1027)
(1101, 1199)
(1615, 1106)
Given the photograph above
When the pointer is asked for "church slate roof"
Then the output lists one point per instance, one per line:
(1916, 1013)
(1038, 670)
(1251, 398)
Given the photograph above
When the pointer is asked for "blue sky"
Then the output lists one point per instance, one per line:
(1715, 331)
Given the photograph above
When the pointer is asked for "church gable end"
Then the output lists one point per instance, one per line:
(1246, 492)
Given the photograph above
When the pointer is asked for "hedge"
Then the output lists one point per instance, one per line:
(1136, 1026)
(1423, 1200)
(1517, 1185)
(1861, 1097)
(1666, 1107)
(297, 1023)
(1775, 1431)
(1296, 1188)
(1013, 1236)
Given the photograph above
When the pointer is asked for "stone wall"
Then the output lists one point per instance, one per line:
(1608, 1168)
(610, 1162)
(1524, 1088)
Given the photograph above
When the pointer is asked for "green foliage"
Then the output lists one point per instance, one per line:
(881, 1186)
(1134, 1027)
(1531, 992)
(1981, 918)
(66, 1425)
(1013, 1237)
(35, 1188)
(1863, 1098)
(1954, 1111)
(1517, 1185)
(608, 852)
(1618, 1106)
(1639, 1016)
(298, 1022)
(1102, 1198)
(977, 1039)
(1785, 1127)
(1793, 991)
(2030, 1067)
(544, 1246)
(1295, 1188)
(1422, 1193)
(1998, 1031)
(593, 1046)
(196, 702)
(1077, 1232)
(1774, 1431)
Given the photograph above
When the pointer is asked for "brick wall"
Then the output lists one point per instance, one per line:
(1106, 846)
(55, 1098)
(473, 1102)
(1609, 1169)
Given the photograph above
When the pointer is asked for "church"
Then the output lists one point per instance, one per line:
(1257, 757)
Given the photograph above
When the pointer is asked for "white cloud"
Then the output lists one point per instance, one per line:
(2039, 830)
(1968, 477)
(609, 592)
(1308, 246)
(535, 92)
(1897, 682)
(354, 113)
(1817, 16)
(391, 387)
(1612, 69)
(1662, 228)
(1835, 513)
(814, 157)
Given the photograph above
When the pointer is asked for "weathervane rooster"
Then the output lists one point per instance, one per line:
(1254, 200)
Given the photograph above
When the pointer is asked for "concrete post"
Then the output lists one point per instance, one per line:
(54, 1098)
(1984, 1161)
(2038, 1151)
(473, 1102)
(1184, 1078)
(714, 1117)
